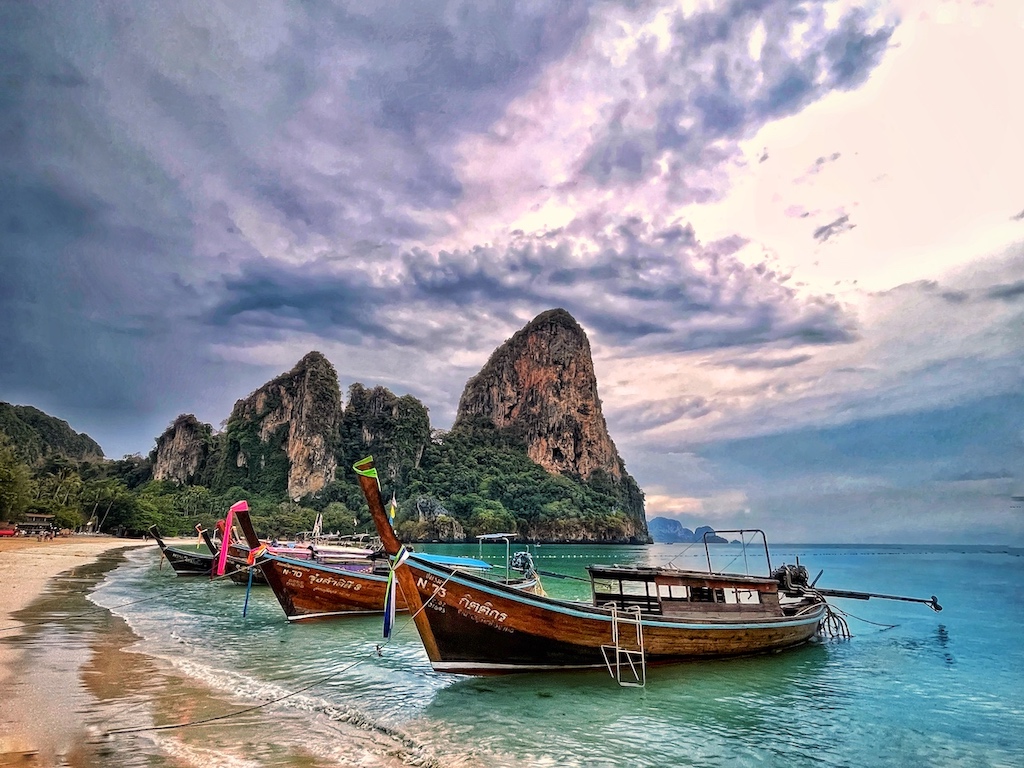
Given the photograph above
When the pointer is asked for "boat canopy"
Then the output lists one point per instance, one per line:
(454, 562)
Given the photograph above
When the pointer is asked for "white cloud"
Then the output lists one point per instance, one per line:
(927, 165)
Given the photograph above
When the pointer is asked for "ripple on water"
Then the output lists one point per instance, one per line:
(927, 692)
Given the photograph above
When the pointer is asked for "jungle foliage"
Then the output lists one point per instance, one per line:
(462, 483)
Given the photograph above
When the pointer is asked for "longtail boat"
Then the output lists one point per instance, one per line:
(186, 562)
(239, 571)
(637, 616)
(333, 586)
(237, 566)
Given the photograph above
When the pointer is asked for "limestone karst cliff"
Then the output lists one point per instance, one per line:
(540, 385)
(183, 451)
(285, 433)
(290, 435)
(395, 430)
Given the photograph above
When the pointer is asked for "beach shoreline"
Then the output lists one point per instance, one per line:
(27, 566)
(41, 710)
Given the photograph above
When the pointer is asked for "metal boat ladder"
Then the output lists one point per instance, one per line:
(627, 665)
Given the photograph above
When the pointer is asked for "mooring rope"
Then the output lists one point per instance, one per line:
(833, 624)
(866, 621)
(411, 618)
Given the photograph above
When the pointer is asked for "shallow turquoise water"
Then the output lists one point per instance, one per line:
(934, 690)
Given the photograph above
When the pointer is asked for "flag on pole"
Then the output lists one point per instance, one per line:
(254, 554)
(366, 468)
(390, 597)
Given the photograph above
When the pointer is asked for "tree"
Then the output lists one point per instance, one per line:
(338, 517)
(491, 517)
(66, 517)
(15, 483)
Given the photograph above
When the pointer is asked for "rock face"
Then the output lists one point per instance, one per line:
(541, 385)
(395, 430)
(437, 523)
(183, 450)
(289, 426)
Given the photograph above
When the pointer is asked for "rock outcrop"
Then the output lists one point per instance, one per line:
(183, 450)
(395, 430)
(287, 429)
(435, 523)
(540, 385)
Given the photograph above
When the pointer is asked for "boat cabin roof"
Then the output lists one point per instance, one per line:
(673, 575)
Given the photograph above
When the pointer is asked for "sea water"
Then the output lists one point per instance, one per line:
(911, 687)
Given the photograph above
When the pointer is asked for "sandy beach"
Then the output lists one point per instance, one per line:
(41, 707)
(26, 566)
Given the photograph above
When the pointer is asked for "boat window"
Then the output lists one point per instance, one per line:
(673, 592)
(634, 588)
(606, 586)
(706, 595)
(743, 596)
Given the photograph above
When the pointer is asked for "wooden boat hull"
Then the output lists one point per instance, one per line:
(237, 567)
(473, 627)
(187, 563)
(308, 590)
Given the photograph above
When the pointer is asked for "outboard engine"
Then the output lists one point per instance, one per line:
(522, 561)
(791, 577)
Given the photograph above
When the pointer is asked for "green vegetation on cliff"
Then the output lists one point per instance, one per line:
(36, 435)
(475, 479)
(483, 478)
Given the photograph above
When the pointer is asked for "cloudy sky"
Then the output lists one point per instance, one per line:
(793, 231)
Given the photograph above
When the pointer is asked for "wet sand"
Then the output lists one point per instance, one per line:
(27, 566)
(68, 671)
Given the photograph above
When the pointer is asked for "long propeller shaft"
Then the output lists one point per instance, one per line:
(932, 603)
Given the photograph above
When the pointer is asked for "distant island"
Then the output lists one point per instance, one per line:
(665, 530)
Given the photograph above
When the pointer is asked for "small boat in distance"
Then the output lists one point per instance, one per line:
(343, 551)
(186, 562)
(637, 615)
